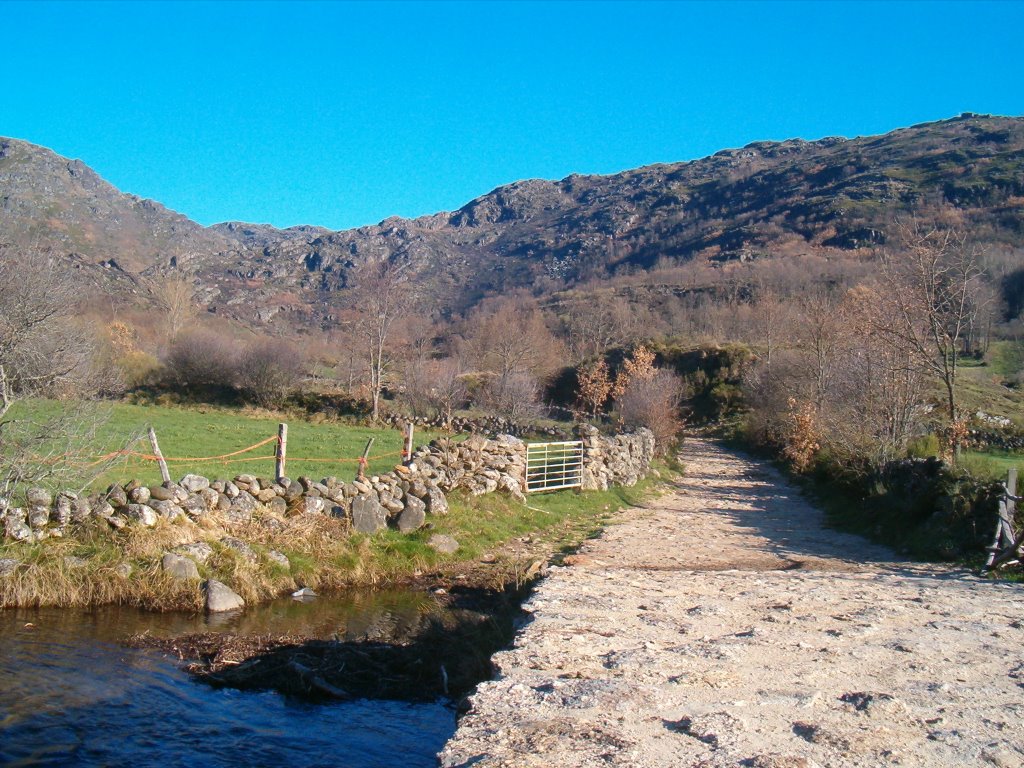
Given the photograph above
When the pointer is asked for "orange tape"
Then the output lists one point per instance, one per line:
(140, 458)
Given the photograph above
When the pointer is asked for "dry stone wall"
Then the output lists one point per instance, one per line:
(619, 460)
(402, 499)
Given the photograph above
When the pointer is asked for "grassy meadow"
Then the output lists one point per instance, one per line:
(993, 465)
(985, 386)
(314, 449)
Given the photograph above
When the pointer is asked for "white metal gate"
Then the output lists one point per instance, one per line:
(552, 466)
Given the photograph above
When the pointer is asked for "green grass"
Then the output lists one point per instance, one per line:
(992, 465)
(982, 386)
(212, 431)
(480, 524)
(1006, 358)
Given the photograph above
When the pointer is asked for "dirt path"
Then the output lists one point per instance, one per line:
(725, 626)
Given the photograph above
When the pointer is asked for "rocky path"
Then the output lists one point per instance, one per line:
(724, 626)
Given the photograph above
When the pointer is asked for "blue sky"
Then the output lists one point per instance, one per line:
(341, 114)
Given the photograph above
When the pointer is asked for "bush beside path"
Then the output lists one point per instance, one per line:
(725, 626)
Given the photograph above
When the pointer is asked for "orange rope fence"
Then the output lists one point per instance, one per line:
(141, 459)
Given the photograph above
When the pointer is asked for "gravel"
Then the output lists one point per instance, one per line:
(725, 625)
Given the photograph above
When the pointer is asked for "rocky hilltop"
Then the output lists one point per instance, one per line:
(833, 197)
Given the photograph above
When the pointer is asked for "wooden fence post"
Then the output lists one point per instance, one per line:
(361, 472)
(408, 445)
(165, 474)
(1011, 488)
(1004, 527)
(282, 451)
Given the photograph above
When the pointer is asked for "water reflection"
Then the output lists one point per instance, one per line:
(71, 695)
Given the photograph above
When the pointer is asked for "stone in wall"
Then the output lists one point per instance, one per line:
(368, 515)
(413, 516)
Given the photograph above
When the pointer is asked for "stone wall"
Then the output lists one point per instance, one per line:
(619, 460)
(402, 498)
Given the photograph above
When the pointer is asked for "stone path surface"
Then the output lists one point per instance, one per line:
(725, 626)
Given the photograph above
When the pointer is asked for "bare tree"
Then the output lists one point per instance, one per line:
(840, 384)
(515, 395)
(596, 323)
(43, 353)
(932, 299)
(510, 335)
(821, 338)
(173, 291)
(509, 342)
(434, 387)
(382, 293)
(771, 320)
(878, 399)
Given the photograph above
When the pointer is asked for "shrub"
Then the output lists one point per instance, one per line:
(515, 395)
(268, 370)
(924, 447)
(653, 402)
(138, 369)
(801, 439)
(200, 359)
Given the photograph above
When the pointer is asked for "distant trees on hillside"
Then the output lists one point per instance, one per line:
(509, 345)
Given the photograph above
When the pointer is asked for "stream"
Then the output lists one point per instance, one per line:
(71, 694)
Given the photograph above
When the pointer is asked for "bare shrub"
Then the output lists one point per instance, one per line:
(200, 358)
(434, 388)
(515, 395)
(652, 401)
(268, 370)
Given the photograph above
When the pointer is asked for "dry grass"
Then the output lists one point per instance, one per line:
(68, 572)
(100, 567)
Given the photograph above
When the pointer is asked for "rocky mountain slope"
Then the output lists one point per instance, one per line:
(833, 197)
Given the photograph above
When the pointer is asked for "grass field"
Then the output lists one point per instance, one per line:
(992, 465)
(982, 386)
(317, 450)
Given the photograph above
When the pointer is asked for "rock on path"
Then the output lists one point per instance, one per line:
(725, 626)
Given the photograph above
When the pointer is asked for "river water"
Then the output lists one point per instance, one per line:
(71, 694)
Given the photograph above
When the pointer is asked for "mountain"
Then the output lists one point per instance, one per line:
(65, 205)
(833, 197)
